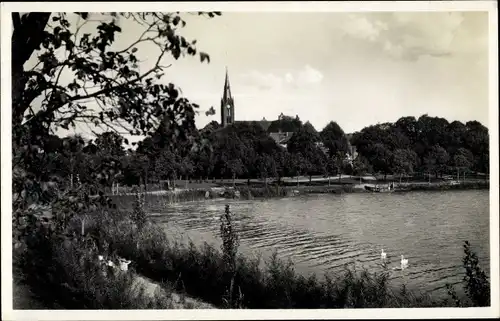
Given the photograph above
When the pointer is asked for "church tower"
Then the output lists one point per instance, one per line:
(227, 104)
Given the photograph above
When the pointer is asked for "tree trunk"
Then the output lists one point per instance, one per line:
(297, 181)
(26, 37)
(234, 178)
(310, 180)
(328, 179)
(400, 178)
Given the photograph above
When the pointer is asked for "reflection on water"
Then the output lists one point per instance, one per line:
(321, 233)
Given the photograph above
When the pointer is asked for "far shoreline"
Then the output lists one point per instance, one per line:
(248, 192)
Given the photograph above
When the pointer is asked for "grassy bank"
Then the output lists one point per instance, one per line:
(160, 199)
(471, 185)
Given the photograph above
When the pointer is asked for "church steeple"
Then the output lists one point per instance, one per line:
(227, 104)
(227, 88)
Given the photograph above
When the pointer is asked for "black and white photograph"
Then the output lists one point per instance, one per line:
(283, 157)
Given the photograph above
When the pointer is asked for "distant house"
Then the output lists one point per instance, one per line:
(281, 138)
(352, 149)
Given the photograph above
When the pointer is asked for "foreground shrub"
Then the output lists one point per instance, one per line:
(476, 284)
(68, 275)
(57, 257)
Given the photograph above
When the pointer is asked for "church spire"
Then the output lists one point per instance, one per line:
(227, 104)
(227, 88)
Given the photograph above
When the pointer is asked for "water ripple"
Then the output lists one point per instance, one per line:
(324, 233)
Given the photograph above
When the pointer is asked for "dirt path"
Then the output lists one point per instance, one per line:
(179, 301)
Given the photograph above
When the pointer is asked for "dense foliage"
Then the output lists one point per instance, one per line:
(427, 144)
(63, 76)
(245, 150)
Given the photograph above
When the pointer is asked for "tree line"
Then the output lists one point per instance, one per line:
(409, 146)
(425, 145)
(140, 102)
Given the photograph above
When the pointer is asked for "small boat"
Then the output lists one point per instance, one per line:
(379, 189)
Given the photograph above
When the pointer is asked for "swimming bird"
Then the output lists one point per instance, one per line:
(124, 264)
(383, 255)
(404, 263)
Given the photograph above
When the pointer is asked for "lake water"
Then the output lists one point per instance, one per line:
(321, 233)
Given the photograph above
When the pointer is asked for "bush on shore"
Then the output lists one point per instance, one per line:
(58, 260)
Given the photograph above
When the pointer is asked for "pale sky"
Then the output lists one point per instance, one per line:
(356, 69)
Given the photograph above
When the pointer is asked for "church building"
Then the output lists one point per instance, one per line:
(227, 112)
(281, 130)
(227, 105)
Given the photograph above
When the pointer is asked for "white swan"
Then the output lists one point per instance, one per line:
(404, 263)
(124, 264)
(383, 255)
